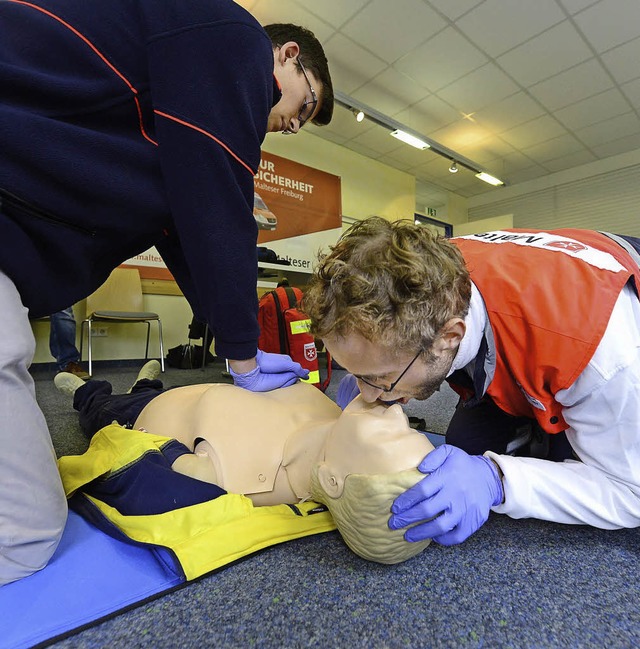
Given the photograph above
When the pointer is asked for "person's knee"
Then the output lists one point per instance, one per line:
(26, 551)
(17, 341)
(484, 427)
(17, 346)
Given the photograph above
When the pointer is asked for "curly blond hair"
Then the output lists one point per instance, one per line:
(396, 284)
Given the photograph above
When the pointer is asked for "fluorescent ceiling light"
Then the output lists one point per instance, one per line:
(410, 139)
(489, 179)
(414, 138)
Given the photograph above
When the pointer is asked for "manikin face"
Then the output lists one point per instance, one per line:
(370, 439)
(296, 90)
(371, 363)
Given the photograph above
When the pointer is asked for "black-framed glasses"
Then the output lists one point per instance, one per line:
(392, 387)
(308, 106)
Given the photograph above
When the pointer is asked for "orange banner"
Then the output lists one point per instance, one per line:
(300, 199)
(298, 210)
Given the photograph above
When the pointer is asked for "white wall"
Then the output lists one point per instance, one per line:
(603, 195)
(483, 225)
(126, 341)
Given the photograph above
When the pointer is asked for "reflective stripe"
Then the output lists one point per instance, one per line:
(314, 377)
(301, 327)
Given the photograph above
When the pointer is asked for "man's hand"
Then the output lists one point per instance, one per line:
(348, 390)
(272, 371)
(453, 501)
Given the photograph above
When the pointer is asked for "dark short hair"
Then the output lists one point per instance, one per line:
(314, 60)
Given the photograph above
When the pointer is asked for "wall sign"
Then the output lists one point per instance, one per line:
(298, 210)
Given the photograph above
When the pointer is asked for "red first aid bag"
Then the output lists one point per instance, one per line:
(284, 329)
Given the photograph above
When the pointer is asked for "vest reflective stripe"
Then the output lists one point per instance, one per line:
(549, 297)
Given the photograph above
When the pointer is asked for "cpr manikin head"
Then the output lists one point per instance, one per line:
(370, 458)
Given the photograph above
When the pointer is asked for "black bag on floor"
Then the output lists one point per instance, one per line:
(187, 357)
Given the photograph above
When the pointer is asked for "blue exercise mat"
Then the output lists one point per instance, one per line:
(90, 577)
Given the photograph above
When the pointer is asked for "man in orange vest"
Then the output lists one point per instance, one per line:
(539, 333)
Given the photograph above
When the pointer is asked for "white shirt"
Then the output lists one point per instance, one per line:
(602, 410)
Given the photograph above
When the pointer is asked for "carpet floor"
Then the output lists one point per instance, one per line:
(515, 583)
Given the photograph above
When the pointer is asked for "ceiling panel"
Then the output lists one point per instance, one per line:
(556, 50)
(442, 60)
(478, 89)
(557, 147)
(413, 22)
(390, 92)
(582, 81)
(609, 23)
(497, 26)
(622, 61)
(522, 88)
(598, 108)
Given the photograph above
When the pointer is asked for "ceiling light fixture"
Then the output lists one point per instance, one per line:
(359, 114)
(488, 178)
(414, 138)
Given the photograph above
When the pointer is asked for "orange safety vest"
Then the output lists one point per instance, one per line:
(549, 296)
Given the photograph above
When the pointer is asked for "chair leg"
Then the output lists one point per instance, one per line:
(161, 345)
(82, 330)
(204, 346)
(146, 349)
(82, 324)
(89, 347)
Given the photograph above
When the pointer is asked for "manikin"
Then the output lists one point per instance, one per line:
(292, 444)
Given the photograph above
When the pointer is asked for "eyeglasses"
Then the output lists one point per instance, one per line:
(392, 387)
(308, 106)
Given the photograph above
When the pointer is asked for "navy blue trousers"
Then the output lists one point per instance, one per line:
(484, 427)
(98, 407)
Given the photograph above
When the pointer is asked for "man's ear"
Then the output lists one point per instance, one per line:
(290, 50)
(331, 484)
(450, 335)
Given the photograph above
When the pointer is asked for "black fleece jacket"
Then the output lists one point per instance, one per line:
(126, 124)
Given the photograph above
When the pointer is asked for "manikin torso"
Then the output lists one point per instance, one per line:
(264, 444)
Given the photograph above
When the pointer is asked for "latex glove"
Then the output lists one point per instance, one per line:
(453, 501)
(348, 390)
(272, 371)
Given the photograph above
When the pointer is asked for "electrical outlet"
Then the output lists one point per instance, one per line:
(99, 332)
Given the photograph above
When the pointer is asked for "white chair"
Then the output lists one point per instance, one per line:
(119, 300)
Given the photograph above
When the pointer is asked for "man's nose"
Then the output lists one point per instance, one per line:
(368, 392)
(294, 125)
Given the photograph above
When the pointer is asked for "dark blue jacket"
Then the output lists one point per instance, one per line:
(126, 124)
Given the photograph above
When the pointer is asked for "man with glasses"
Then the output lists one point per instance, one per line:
(539, 333)
(124, 125)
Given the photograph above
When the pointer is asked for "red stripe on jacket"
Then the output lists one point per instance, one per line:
(100, 55)
(209, 135)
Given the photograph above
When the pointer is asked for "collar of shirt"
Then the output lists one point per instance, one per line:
(475, 322)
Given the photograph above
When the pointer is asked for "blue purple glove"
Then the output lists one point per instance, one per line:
(273, 371)
(453, 501)
(348, 390)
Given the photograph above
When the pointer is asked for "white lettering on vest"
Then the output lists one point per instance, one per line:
(552, 243)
